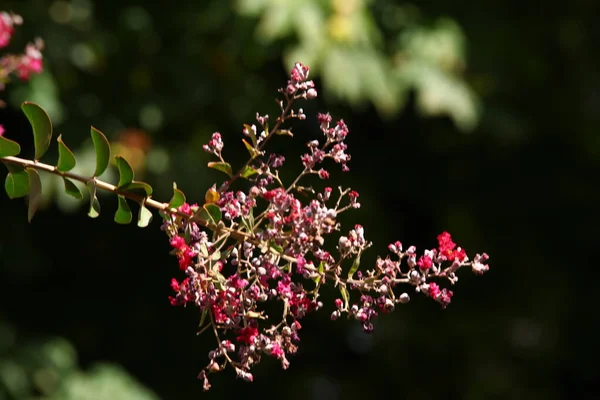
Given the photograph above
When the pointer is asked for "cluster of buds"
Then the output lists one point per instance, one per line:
(21, 65)
(269, 248)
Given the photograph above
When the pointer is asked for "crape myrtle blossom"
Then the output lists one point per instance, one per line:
(21, 65)
(269, 247)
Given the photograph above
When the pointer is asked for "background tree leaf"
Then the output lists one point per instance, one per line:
(123, 214)
(35, 192)
(9, 148)
(125, 172)
(41, 125)
(102, 149)
(66, 158)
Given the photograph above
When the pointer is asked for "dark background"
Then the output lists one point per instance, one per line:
(520, 186)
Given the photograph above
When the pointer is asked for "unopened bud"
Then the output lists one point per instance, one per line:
(404, 298)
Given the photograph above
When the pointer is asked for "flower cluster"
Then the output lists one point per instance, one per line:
(21, 65)
(243, 250)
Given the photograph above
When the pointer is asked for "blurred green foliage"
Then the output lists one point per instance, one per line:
(159, 77)
(46, 369)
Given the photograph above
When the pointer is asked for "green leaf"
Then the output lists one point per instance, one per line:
(253, 152)
(354, 266)
(41, 125)
(102, 149)
(71, 189)
(210, 213)
(251, 133)
(123, 214)
(17, 182)
(248, 171)
(203, 317)
(221, 166)
(66, 159)
(345, 295)
(8, 148)
(321, 269)
(35, 192)
(277, 248)
(284, 132)
(144, 216)
(125, 172)
(94, 203)
(137, 186)
(178, 198)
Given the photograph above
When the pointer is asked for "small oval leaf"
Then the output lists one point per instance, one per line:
(210, 213)
(66, 159)
(9, 148)
(138, 186)
(41, 125)
(248, 171)
(221, 166)
(16, 183)
(94, 203)
(35, 192)
(123, 214)
(144, 216)
(102, 150)
(178, 198)
(125, 172)
(211, 196)
(71, 189)
(354, 266)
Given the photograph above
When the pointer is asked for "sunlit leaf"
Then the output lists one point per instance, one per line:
(8, 148)
(248, 172)
(221, 166)
(35, 192)
(284, 132)
(125, 172)
(144, 216)
(320, 269)
(41, 125)
(17, 182)
(94, 203)
(210, 213)
(123, 214)
(354, 266)
(71, 189)
(252, 135)
(102, 149)
(66, 159)
(345, 295)
(178, 198)
(211, 196)
(251, 150)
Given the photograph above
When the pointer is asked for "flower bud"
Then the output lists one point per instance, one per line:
(404, 298)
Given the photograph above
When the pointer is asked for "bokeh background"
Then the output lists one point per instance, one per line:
(480, 118)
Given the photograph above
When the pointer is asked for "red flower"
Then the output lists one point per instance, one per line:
(247, 335)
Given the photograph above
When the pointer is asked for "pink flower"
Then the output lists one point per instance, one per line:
(424, 263)
(6, 29)
(2, 130)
